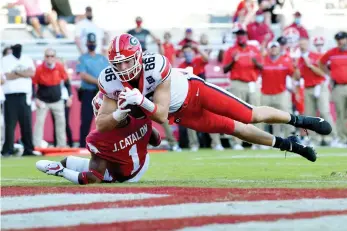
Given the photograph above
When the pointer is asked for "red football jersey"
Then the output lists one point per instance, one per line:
(125, 147)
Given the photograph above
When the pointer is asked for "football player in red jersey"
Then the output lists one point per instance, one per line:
(117, 155)
(147, 80)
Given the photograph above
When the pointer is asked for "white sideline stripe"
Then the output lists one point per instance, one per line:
(41, 201)
(109, 215)
(266, 156)
(331, 223)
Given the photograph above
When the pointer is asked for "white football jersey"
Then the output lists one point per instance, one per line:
(155, 70)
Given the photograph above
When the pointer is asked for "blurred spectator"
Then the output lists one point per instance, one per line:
(141, 34)
(85, 27)
(268, 7)
(298, 26)
(197, 62)
(188, 38)
(318, 43)
(204, 42)
(18, 69)
(6, 51)
(317, 94)
(2, 99)
(283, 46)
(67, 97)
(89, 67)
(48, 77)
(338, 72)
(260, 31)
(273, 87)
(63, 10)
(244, 62)
(36, 17)
(244, 12)
(167, 48)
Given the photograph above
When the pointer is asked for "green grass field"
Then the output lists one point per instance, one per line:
(208, 168)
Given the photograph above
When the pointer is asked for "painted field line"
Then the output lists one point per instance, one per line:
(331, 223)
(110, 215)
(41, 201)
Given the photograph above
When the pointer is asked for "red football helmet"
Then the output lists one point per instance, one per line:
(319, 40)
(125, 48)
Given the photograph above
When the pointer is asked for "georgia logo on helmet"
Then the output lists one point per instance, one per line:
(125, 49)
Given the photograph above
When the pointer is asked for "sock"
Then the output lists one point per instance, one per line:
(292, 120)
(77, 163)
(281, 143)
(71, 175)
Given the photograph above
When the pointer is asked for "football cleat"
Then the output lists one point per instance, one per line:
(50, 167)
(292, 144)
(316, 124)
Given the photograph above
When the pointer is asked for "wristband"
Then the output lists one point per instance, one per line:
(148, 105)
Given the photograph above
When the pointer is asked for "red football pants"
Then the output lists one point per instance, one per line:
(211, 109)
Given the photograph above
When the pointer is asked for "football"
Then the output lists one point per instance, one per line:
(136, 111)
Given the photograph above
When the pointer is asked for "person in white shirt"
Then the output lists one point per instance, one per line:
(17, 88)
(86, 26)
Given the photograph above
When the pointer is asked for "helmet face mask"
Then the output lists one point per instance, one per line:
(125, 56)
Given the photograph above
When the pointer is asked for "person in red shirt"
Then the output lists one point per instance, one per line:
(197, 62)
(297, 25)
(276, 68)
(244, 62)
(317, 94)
(48, 77)
(259, 30)
(167, 48)
(337, 58)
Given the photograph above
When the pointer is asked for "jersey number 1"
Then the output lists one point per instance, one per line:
(135, 157)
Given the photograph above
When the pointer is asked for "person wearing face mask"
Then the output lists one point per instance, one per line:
(259, 30)
(85, 27)
(337, 60)
(141, 34)
(273, 86)
(48, 77)
(244, 62)
(317, 94)
(89, 67)
(298, 26)
(18, 70)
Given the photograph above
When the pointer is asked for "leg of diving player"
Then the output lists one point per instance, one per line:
(226, 104)
(210, 122)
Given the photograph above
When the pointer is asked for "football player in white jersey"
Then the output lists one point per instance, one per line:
(162, 92)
